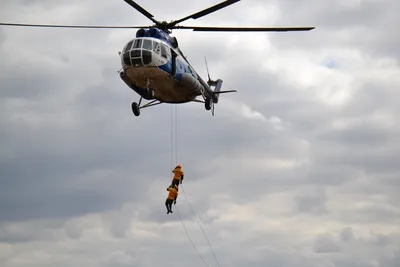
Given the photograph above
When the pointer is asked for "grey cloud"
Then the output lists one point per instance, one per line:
(313, 202)
(375, 248)
(17, 232)
(347, 234)
(381, 239)
(121, 259)
(325, 13)
(325, 243)
(371, 213)
(2, 37)
(366, 25)
(391, 260)
(70, 146)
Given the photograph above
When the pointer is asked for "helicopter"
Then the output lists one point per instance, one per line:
(153, 65)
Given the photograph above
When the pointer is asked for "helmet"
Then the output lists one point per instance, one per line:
(179, 166)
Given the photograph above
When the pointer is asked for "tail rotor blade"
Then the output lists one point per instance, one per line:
(208, 73)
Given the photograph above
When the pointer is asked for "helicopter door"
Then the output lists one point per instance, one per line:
(174, 55)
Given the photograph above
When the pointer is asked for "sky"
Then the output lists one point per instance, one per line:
(298, 168)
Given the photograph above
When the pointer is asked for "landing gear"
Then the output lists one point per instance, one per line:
(135, 109)
(208, 103)
(136, 106)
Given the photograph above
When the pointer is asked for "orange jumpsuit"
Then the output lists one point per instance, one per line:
(172, 195)
(178, 175)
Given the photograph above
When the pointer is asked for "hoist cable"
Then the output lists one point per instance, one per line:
(198, 222)
(176, 134)
(191, 208)
(191, 241)
(172, 139)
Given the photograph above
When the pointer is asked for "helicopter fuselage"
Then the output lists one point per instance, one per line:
(154, 66)
(155, 70)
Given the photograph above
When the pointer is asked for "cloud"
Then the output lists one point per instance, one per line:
(325, 243)
(297, 168)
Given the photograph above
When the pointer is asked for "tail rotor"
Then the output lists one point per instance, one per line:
(217, 90)
(209, 82)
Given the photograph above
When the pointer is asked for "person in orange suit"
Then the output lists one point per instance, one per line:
(178, 175)
(172, 196)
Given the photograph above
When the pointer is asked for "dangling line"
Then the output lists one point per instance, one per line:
(170, 142)
(176, 162)
(191, 241)
(172, 148)
(198, 222)
(176, 134)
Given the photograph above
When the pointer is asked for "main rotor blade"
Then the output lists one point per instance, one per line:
(204, 12)
(245, 29)
(141, 10)
(72, 26)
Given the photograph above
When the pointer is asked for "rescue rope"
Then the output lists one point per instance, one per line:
(190, 206)
(198, 222)
(191, 241)
(175, 134)
(171, 141)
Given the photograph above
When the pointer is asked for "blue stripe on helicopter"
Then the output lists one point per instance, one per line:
(167, 67)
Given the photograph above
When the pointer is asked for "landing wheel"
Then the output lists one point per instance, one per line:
(208, 104)
(135, 109)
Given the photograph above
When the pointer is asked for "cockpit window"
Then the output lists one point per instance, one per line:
(138, 43)
(147, 44)
(128, 46)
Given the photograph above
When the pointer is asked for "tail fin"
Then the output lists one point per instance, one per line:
(218, 85)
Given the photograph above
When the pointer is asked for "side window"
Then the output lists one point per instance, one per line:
(156, 47)
(164, 52)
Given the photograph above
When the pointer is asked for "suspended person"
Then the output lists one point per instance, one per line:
(178, 175)
(172, 196)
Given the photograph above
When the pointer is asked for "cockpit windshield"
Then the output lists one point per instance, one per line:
(147, 44)
(128, 46)
(137, 43)
(139, 51)
(142, 43)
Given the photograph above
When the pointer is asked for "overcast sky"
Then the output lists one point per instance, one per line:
(299, 168)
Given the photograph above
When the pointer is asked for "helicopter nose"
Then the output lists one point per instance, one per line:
(136, 56)
(132, 57)
(138, 52)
